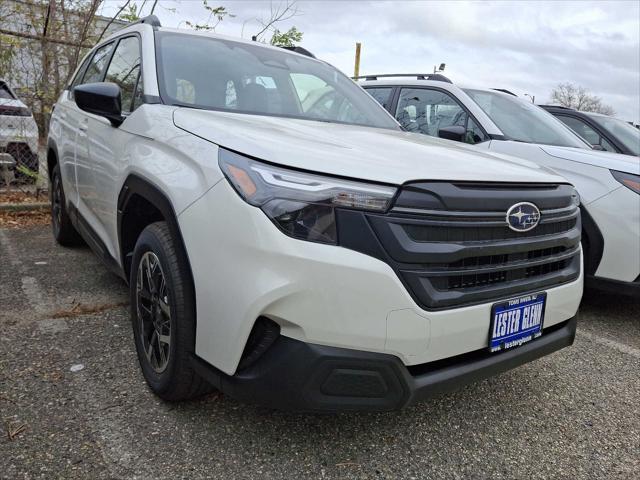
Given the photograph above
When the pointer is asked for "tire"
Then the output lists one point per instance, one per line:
(63, 230)
(164, 312)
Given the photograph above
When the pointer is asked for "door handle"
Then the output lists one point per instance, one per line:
(83, 126)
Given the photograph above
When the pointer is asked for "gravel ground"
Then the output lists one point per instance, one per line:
(574, 414)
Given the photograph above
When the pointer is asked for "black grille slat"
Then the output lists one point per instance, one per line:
(438, 233)
(451, 245)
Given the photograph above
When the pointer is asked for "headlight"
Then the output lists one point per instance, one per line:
(629, 180)
(300, 204)
(575, 197)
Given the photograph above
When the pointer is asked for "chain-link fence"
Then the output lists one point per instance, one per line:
(19, 141)
(41, 42)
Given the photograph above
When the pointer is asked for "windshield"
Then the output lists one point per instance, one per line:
(210, 73)
(629, 136)
(522, 121)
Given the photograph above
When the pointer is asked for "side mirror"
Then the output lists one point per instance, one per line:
(454, 132)
(101, 99)
(598, 147)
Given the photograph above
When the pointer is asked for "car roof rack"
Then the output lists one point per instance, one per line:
(150, 20)
(504, 90)
(300, 50)
(419, 76)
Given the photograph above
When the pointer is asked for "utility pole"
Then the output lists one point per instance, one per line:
(356, 68)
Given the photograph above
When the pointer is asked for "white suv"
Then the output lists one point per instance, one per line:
(302, 254)
(501, 123)
(18, 135)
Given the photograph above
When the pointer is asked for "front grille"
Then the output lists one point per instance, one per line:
(450, 257)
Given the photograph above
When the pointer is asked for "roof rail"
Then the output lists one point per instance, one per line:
(300, 50)
(419, 76)
(562, 107)
(504, 90)
(150, 19)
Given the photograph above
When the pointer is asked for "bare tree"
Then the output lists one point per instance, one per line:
(579, 98)
(278, 12)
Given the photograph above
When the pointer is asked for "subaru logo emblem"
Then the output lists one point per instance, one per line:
(523, 216)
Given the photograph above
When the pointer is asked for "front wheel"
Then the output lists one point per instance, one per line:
(163, 315)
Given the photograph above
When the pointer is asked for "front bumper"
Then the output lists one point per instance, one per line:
(295, 375)
(245, 268)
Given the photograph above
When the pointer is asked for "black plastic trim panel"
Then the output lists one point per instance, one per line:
(294, 375)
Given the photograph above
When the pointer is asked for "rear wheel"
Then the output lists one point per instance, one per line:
(163, 315)
(63, 230)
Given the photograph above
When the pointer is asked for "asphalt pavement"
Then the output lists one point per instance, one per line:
(73, 403)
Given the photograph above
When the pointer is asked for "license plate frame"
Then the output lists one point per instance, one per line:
(510, 330)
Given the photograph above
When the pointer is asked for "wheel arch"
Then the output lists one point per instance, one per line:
(141, 203)
(592, 242)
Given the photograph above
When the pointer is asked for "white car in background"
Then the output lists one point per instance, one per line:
(18, 134)
(500, 122)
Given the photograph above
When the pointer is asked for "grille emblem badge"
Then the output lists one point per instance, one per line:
(523, 216)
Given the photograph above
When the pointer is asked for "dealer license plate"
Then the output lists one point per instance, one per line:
(516, 321)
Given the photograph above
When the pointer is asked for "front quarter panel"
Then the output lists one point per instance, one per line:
(180, 164)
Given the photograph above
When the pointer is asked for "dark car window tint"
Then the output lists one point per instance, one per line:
(427, 111)
(381, 94)
(626, 134)
(4, 92)
(522, 121)
(97, 64)
(124, 70)
(586, 132)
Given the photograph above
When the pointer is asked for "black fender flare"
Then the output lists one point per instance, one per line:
(594, 245)
(136, 185)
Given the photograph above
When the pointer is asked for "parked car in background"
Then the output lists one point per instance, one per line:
(605, 132)
(18, 135)
(284, 240)
(499, 122)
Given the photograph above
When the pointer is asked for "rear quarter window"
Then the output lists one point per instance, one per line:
(5, 93)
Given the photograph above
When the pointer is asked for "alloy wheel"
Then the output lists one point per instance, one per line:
(154, 312)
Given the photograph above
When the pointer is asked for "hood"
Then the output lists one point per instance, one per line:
(381, 155)
(612, 161)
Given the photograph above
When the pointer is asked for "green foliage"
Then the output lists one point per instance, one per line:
(27, 172)
(8, 47)
(286, 39)
(130, 13)
(219, 13)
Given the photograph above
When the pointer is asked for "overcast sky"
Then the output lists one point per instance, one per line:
(526, 47)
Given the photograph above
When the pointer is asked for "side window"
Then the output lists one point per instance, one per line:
(5, 93)
(586, 132)
(96, 64)
(76, 80)
(381, 94)
(427, 111)
(78, 77)
(124, 70)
